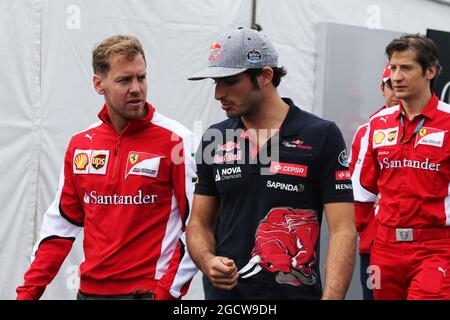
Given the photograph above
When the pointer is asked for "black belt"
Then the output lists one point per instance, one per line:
(137, 294)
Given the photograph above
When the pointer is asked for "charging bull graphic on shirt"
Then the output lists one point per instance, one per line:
(284, 243)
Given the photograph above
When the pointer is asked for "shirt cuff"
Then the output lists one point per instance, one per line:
(24, 295)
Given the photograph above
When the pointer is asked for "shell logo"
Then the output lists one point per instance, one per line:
(81, 161)
(379, 137)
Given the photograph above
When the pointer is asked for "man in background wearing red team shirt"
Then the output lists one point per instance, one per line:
(128, 182)
(406, 162)
(364, 211)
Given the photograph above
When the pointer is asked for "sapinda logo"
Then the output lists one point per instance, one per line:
(285, 186)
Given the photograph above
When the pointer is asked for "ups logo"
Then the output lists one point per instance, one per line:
(392, 136)
(98, 161)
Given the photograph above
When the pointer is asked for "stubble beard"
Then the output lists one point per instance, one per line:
(248, 109)
(127, 114)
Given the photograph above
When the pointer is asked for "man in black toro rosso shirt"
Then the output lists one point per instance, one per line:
(264, 177)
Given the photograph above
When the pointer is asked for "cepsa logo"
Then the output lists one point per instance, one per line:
(289, 169)
(343, 175)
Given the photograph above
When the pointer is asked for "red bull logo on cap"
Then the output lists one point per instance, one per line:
(215, 51)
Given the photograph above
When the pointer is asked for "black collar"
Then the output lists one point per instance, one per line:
(290, 124)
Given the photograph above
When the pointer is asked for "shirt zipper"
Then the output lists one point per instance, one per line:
(116, 157)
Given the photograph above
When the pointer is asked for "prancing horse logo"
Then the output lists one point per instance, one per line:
(404, 235)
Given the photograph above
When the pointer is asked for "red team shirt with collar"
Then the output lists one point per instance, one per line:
(131, 193)
(412, 178)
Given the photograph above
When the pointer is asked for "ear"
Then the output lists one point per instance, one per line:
(431, 73)
(266, 76)
(98, 84)
(382, 88)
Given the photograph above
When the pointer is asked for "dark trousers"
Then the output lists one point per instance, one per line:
(364, 276)
(135, 295)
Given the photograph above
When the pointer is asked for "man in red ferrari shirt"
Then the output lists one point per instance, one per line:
(128, 182)
(364, 211)
(406, 162)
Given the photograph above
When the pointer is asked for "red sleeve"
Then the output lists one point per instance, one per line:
(356, 146)
(362, 214)
(58, 232)
(48, 259)
(370, 169)
(363, 207)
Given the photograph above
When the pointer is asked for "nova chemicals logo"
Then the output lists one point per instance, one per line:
(228, 173)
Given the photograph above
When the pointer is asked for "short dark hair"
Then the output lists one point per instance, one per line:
(278, 73)
(427, 52)
(387, 83)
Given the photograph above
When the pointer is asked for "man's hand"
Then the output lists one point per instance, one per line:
(222, 272)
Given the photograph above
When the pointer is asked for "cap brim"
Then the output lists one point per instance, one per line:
(217, 72)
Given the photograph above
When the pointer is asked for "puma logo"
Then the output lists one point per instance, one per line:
(89, 137)
(384, 119)
(444, 271)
